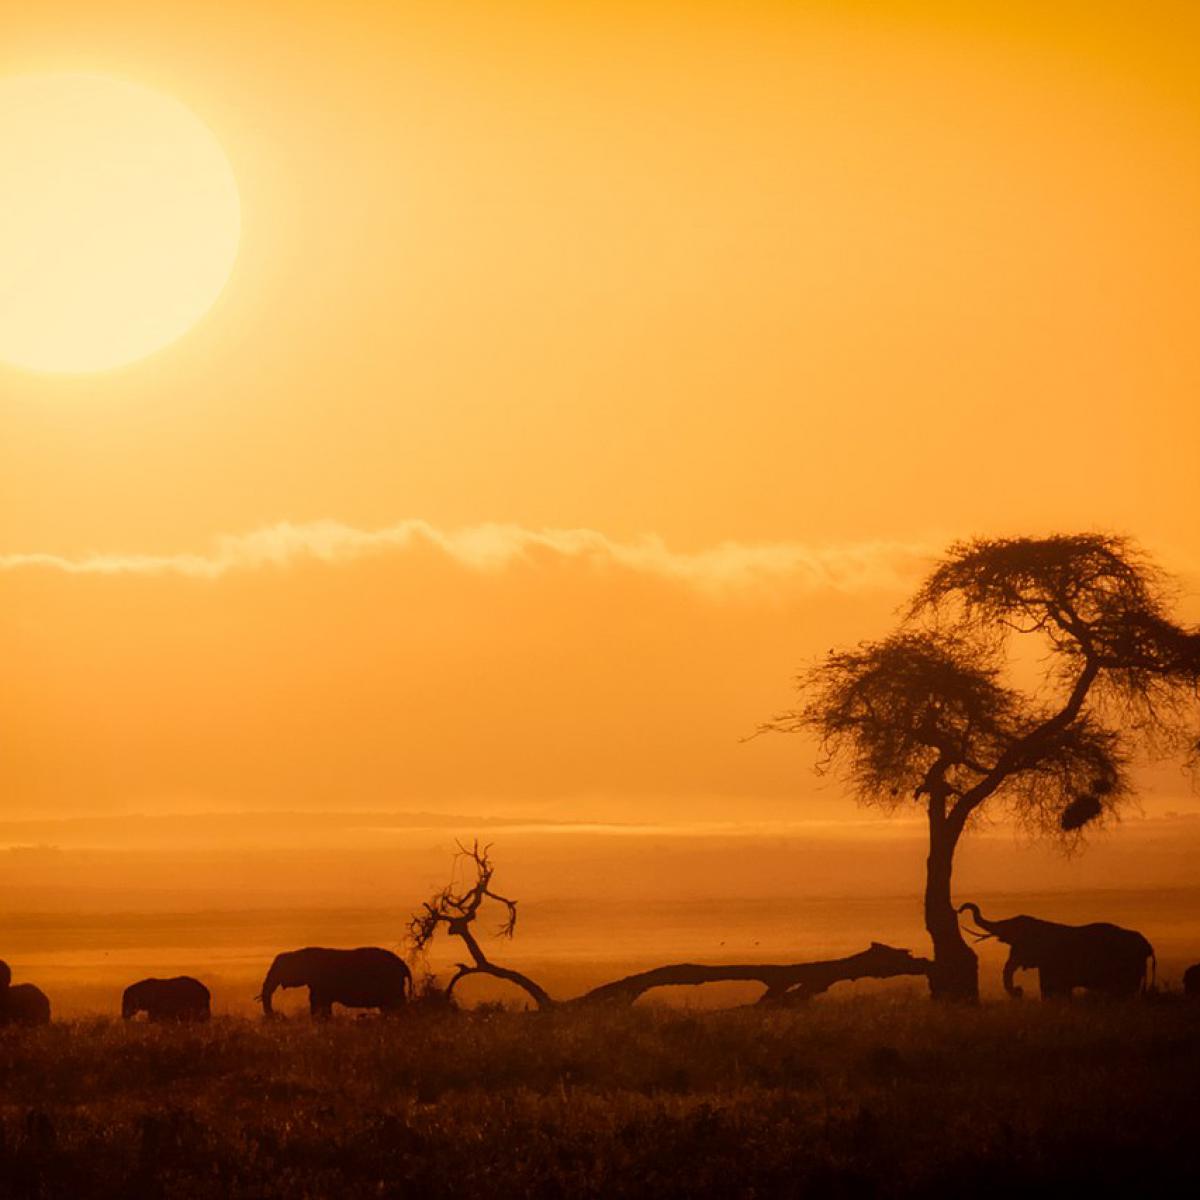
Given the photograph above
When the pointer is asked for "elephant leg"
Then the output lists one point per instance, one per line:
(1129, 982)
(319, 1005)
(1053, 985)
(1010, 969)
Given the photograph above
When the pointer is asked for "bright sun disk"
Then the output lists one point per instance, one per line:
(119, 221)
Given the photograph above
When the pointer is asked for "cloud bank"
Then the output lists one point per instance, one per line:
(561, 675)
(863, 566)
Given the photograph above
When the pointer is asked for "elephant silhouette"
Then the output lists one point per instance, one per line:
(1101, 958)
(1191, 981)
(180, 998)
(21, 1003)
(368, 977)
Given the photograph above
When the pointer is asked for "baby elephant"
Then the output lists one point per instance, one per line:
(180, 999)
(23, 1004)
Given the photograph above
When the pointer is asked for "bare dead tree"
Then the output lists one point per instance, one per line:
(789, 983)
(931, 714)
(457, 910)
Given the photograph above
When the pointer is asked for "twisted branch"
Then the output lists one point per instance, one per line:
(457, 910)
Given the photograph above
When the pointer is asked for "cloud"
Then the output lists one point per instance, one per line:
(863, 566)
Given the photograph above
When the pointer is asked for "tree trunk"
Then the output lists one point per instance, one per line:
(955, 972)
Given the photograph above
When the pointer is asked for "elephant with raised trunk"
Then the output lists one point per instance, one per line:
(369, 977)
(1101, 958)
(22, 1004)
(180, 998)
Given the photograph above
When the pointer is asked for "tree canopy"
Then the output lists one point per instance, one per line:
(1026, 673)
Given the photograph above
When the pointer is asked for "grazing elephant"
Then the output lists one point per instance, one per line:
(1191, 982)
(24, 1004)
(179, 999)
(364, 978)
(1102, 958)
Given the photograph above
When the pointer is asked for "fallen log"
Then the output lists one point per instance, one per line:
(791, 983)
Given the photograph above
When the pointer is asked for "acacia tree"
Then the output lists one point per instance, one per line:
(934, 714)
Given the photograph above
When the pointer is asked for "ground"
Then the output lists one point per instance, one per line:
(858, 1096)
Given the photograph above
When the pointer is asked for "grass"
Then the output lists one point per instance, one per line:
(861, 1096)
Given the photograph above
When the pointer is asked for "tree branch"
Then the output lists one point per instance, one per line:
(1024, 750)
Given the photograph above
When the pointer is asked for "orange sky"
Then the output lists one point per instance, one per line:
(589, 367)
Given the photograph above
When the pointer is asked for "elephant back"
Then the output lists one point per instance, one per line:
(1109, 958)
(24, 1004)
(381, 965)
(368, 976)
(178, 997)
(1119, 940)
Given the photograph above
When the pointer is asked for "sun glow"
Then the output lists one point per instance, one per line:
(119, 221)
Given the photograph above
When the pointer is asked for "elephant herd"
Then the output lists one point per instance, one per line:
(1100, 958)
(369, 977)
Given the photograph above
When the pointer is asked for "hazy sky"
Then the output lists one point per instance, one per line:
(589, 367)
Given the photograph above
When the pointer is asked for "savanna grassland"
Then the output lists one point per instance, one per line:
(854, 1096)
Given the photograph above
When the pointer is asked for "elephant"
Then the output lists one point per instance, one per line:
(368, 977)
(1191, 982)
(1101, 958)
(23, 1004)
(181, 998)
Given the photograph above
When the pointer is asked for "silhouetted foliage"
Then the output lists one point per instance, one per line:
(932, 714)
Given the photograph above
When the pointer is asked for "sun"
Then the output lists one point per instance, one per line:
(119, 221)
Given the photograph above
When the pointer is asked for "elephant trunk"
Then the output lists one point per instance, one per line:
(268, 990)
(128, 1007)
(978, 918)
